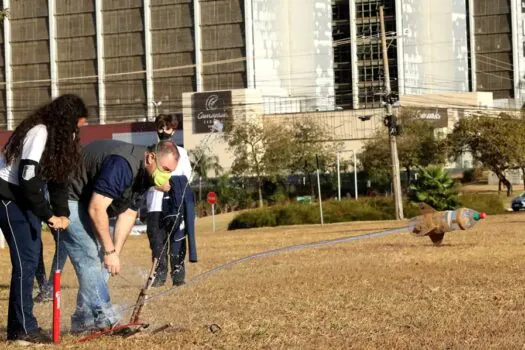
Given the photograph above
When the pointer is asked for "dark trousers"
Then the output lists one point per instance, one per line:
(22, 231)
(40, 274)
(176, 249)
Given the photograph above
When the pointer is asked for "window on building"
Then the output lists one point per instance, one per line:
(367, 29)
(370, 73)
(366, 10)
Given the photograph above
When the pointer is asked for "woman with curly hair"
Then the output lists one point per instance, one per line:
(43, 150)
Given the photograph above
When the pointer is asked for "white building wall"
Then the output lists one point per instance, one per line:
(434, 46)
(292, 43)
(515, 6)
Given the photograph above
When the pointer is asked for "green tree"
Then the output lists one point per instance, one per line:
(435, 188)
(491, 140)
(310, 143)
(259, 150)
(375, 159)
(417, 146)
(202, 163)
(230, 193)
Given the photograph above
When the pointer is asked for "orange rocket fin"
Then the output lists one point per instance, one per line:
(426, 209)
(430, 232)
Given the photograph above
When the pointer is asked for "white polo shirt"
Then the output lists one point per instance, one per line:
(154, 197)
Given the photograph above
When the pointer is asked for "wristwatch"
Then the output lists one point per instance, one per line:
(110, 252)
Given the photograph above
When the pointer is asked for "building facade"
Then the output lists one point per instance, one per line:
(494, 47)
(427, 49)
(132, 59)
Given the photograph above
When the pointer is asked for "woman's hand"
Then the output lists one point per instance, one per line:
(64, 223)
(58, 223)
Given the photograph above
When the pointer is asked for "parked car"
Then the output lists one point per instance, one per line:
(518, 203)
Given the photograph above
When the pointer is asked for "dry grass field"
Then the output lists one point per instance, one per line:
(393, 292)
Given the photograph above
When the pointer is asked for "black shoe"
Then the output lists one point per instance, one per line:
(44, 296)
(38, 336)
(178, 275)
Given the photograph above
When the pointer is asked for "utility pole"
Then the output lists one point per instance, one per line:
(391, 122)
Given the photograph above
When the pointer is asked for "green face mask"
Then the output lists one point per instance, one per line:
(160, 177)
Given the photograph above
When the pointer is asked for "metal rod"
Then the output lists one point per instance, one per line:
(355, 175)
(320, 199)
(338, 178)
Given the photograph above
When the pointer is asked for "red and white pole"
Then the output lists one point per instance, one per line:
(56, 307)
(56, 295)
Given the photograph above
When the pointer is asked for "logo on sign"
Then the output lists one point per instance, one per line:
(211, 102)
(215, 109)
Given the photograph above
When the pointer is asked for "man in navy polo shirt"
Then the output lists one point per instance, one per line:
(113, 177)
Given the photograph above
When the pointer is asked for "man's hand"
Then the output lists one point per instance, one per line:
(112, 263)
(164, 188)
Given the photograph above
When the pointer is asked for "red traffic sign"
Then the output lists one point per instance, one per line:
(212, 198)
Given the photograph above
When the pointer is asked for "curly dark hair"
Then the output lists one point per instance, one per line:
(61, 154)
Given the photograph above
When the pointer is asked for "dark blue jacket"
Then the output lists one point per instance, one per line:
(180, 193)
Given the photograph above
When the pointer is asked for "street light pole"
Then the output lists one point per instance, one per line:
(339, 172)
(391, 122)
(156, 106)
(338, 178)
(355, 175)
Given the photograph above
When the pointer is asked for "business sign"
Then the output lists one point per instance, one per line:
(210, 106)
(439, 116)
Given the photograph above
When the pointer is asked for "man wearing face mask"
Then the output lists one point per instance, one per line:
(113, 177)
(166, 125)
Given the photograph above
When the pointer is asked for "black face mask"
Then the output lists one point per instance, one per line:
(164, 135)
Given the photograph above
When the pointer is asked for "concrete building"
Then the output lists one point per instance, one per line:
(494, 47)
(131, 59)
(427, 49)
(358, 54)
(434, 47)
(293, 59)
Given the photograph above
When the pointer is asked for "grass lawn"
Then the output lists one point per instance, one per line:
(392, 292)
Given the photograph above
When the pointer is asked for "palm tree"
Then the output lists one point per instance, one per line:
(435, 188)
(202, 162)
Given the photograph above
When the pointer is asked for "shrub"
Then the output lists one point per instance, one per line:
(366, 209)
(435, 188)
(279, 196)
(488, 203)
(253, 218)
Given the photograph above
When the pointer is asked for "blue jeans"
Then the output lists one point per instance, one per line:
(94, 308)
(60, 257)
(59, 260)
